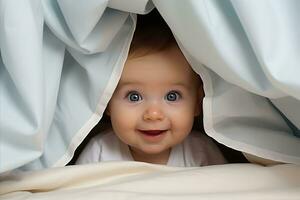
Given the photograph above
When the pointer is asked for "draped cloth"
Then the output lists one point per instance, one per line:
(61, 60)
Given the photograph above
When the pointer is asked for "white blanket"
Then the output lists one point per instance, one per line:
(60, 62)
(134, 180)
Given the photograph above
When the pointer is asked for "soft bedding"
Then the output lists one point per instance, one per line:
(60, 62)
(134, 180)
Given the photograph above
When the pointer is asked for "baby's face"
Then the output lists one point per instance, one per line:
(154, 104)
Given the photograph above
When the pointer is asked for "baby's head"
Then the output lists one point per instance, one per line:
(157, 97)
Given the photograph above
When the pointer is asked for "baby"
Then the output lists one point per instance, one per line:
(153, 108)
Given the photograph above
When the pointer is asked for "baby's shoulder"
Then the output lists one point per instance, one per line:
(196, 135)
(104, 137)
(92, 152)
(204, 148)
(199, 140)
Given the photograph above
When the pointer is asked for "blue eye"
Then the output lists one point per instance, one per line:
(172, 96)
(134, 96)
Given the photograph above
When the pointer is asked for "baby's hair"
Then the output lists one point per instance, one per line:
(152, 35)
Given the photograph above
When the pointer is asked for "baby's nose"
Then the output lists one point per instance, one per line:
(153, 113)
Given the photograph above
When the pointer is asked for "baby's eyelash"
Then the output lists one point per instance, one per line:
(176, 91)
(130, 92)
(173, 96)
(133, 96)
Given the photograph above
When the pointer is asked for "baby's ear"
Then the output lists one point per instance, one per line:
(107, 110)
(197, 109)
(200, 95)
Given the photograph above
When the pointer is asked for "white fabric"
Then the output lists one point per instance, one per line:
(244, 58)
(196, 150)
(61, 61)
(143, 181)
(58, 71)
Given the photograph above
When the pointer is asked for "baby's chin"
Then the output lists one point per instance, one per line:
(151, 149)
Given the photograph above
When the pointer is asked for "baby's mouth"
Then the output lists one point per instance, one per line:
(152, 132)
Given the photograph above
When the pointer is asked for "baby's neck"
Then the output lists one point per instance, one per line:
(161, 158)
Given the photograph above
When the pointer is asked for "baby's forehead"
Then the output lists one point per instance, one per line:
(168, 61)
(159, 68)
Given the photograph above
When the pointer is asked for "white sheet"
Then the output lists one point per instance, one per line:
(133, 180)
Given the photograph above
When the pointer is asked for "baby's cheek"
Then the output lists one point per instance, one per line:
(124, 117)
(183, 121)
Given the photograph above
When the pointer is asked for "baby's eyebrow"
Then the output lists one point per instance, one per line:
(181, 84)
(125, 83)
(129, 82)
(139, 83)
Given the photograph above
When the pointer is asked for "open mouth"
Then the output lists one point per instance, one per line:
(152, 132)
